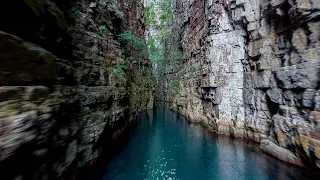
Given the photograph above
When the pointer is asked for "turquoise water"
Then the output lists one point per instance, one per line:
(165, 146)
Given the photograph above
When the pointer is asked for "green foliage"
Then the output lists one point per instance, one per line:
(126, 36)
(151, 45)
(139, 43)
(159, 17)
(150, 16)
(100, 59)
(102, 29)
(102, 3)
(148, 81)
(120, 14)
(136, 46)
(191, 65)
(118, 71)
(141, 69)
(76, 11)
(175, 83)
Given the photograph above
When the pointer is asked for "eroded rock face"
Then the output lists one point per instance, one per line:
(255, 71)
(279, 152)
(61, 99)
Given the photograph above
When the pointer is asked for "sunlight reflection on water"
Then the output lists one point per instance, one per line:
(165, 146)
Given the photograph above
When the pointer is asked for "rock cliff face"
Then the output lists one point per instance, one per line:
(67, 85)
(252, 70)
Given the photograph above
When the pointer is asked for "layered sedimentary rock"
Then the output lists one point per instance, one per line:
(252, 70)
(66, 84)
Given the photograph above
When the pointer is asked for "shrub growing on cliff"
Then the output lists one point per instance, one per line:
(148, 81)
(75, 12)
(175, 83)
(102, 29)
(136, 47)
(131, 38)
(150, 15)
(118, 71)
(120, 14)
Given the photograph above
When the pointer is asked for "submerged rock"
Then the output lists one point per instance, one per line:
(280, 153)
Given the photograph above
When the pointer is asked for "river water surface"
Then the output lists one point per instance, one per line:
(165, 146)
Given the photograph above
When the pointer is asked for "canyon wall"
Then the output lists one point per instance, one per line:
(67, 86)
(251, 70)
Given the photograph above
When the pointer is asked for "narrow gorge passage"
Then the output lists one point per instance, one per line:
(76, 76)
(164, 145)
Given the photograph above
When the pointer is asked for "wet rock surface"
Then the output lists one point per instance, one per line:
(280, 153)
(60, 98)
(251, 70)
(213, 156)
